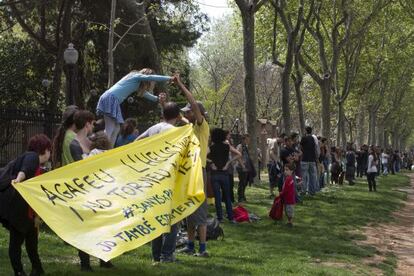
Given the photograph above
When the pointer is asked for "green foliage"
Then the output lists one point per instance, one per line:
(217, 76)
(20, 74)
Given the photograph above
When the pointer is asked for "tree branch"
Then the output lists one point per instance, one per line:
(43, 42)
(127, 31)
(309, 69)
(259, 4)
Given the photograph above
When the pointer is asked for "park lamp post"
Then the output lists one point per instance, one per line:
(71, 55)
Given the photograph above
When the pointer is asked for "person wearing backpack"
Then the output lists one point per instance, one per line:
(21, 221)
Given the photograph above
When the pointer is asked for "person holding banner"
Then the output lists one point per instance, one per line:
(79, 147)
(22, 221)
(163, 247)
(109, 103)
(195, 113)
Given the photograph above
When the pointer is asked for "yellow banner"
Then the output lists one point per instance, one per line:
(116, 201)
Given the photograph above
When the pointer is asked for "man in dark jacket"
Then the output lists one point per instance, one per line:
(308, 163)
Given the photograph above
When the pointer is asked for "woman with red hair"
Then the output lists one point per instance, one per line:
(20, 219)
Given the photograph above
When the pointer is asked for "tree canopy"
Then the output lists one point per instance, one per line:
(343, 66)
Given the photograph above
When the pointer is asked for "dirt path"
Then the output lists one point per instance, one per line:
(396, 237)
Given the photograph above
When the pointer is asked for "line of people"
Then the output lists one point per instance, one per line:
(316, 166)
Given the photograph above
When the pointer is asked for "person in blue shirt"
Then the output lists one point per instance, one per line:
(109, 104)
(128, 133)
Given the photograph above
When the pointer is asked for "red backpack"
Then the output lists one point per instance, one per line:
(276, 212)
(240, 214)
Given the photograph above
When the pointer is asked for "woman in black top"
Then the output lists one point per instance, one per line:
(350, 164)
(20, 219)
(219, 158)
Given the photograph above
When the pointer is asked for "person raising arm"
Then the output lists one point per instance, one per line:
(194, 112)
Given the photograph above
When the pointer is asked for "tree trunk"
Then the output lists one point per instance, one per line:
(249, 81)
(287, 70)
(394, 138)
(380, 134)
(326, 110)
(138, 12)
(298, 83)
(341, 125)
(351, 133)
(286, 101)
(58, 68)
(361, 127)
(386, 139)
(111, 45)
(372, 126)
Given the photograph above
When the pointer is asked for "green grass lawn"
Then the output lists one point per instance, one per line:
(323, 234)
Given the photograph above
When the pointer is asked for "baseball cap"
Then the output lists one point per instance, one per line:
(187, 107)
(69, 111)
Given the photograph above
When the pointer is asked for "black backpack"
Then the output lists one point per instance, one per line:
(7, 192)
(214, 231)
(6, 176)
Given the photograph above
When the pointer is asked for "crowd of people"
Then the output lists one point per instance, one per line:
(296, 166)
(81, 135)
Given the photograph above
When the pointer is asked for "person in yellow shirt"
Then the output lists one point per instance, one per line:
(194, 112)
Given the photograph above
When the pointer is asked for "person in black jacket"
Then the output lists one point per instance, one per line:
(350, 164)
(21, 220)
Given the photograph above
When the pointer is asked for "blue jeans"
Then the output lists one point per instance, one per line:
(163, 247)
(310, 177)
(385, 168)
(397, 166)
(220, 181)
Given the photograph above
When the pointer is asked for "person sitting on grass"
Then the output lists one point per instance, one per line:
(288, 192)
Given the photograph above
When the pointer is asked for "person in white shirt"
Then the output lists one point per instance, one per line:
(273, 166)
(384, 162)
(372, 169)
(163, 247)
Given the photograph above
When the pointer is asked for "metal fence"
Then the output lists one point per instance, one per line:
(17, 126)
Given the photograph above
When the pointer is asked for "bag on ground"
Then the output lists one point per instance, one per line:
(214, 231)
(276, 212)
(240, 214)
